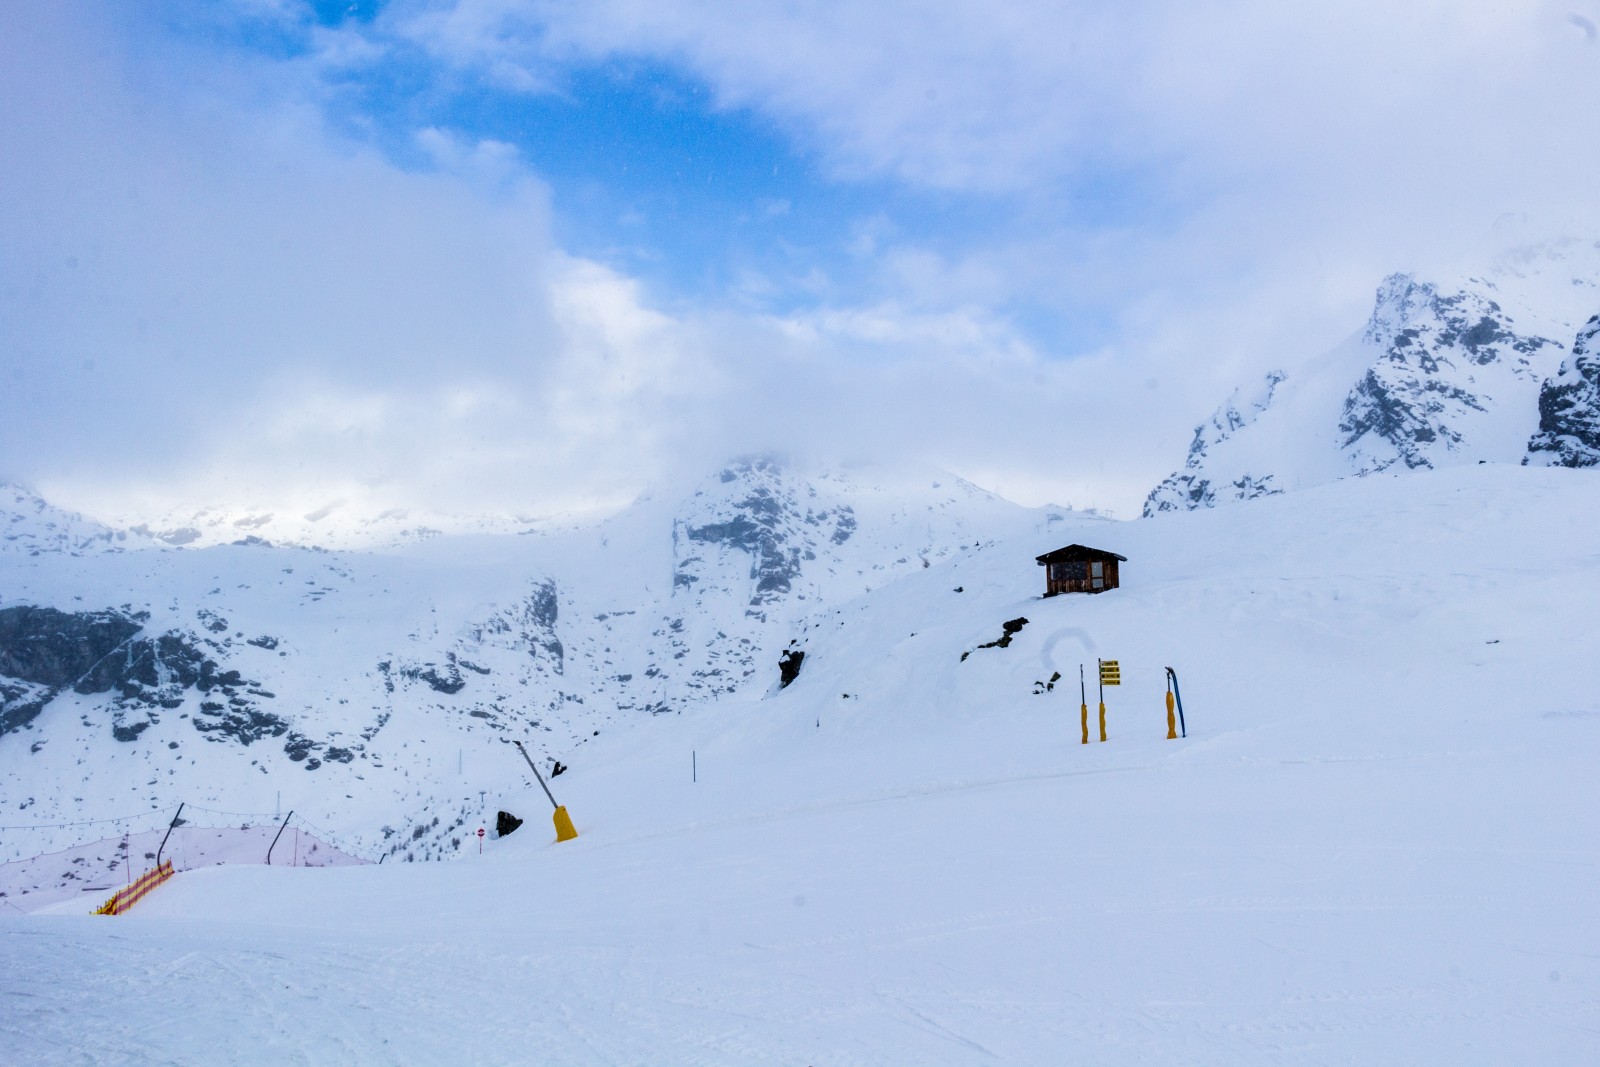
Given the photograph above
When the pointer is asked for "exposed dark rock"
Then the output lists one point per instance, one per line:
(1569, 409)
(106, 652)
(264, 641)
(1186, 491)
(449, 682)
(129, 733)
(1008, 630)
(57, 648)
(244, 723)
(505, 823)
(789, 666)
(845, 526)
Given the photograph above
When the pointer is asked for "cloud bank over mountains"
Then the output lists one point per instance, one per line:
(226, 283)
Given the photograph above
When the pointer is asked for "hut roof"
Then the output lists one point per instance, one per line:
(1076, 553)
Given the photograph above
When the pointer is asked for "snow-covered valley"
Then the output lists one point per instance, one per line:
(1375, 844)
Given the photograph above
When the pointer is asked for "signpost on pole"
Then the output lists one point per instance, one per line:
(1110, 674)
(480, 840)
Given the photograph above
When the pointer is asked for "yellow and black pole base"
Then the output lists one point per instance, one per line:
(564, 828)
(1172, 718)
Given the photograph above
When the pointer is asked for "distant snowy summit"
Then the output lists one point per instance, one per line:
(1442, 374)
(31, 526)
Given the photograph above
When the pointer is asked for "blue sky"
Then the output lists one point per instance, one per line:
(705, 202)
(528, 254)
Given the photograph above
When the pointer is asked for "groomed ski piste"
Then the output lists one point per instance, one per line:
(1377, 843)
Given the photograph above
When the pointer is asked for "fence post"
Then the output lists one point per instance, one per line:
(279, 834)
(176, 818)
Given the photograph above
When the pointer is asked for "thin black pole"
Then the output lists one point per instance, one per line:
(168, 834)
(694, 766)
(281, 827)
(536, 775)
(1178, 696)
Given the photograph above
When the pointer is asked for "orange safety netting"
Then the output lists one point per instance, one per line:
(131, 894)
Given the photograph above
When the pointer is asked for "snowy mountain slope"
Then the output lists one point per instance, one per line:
(1374, 845)
(352, 685)
(1444, 373)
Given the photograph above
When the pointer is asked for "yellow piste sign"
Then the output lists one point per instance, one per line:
(1110, 672)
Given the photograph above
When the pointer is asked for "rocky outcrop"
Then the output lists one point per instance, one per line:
(44, 652)
(1569, 409)
(1413, 406)
(1193, 487)
(1441, 375)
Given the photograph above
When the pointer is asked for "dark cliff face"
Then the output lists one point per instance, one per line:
(58, 649)
(45, 652)
(1569, 408)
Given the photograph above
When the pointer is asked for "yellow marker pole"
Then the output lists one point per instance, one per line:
(1102, 720)
(1083, 696)
(1172, 719)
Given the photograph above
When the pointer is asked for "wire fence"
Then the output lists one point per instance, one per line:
(200, 837)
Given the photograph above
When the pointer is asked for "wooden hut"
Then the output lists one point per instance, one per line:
(1079, 569)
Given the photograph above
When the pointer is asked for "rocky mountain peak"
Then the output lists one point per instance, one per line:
(1569, 408)
(1191, 487)
(1442, 373)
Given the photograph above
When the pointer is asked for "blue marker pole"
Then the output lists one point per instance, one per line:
(1183, 727)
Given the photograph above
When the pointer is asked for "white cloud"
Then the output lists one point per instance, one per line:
(205, 291)
(1216, 183)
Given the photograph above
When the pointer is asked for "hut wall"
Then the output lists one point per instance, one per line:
(1081, 576)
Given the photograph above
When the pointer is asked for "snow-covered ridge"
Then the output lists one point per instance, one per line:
(208, 674)
(1443, 373)
(31, 526)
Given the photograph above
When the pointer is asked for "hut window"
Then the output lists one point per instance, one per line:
(1065, 572)
(1097, 571)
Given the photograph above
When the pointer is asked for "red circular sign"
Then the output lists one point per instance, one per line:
(480, 831)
